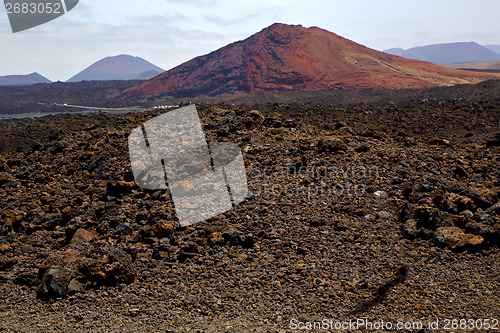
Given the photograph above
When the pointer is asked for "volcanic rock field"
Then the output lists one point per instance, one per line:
(385, 211)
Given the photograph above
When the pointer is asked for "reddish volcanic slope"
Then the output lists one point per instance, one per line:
(286, 57)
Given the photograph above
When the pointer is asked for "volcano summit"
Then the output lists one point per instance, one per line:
(293, 58)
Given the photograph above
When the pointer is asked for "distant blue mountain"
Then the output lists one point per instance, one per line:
(450, 53)
(122, 67)
(494, 48)
(22, 80)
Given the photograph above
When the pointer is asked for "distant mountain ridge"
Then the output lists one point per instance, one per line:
(494, 48)
(23, 80)
(293, 58)
(121, 67)
(449, 53)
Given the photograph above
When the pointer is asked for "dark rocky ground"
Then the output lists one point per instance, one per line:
(39, 98)
(387, 212)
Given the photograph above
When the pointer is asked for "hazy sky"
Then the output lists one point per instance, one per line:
(170, 32)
